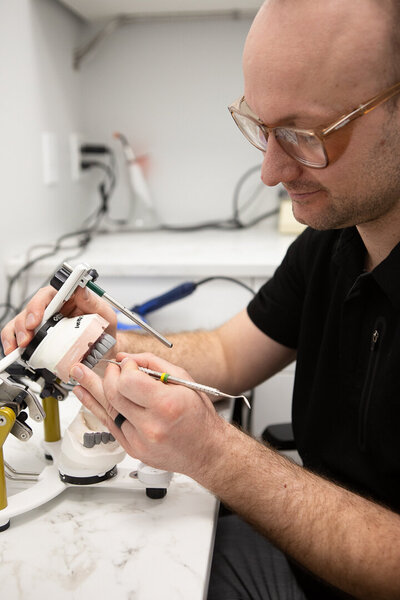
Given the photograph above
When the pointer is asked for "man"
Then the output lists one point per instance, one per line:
(334, 304)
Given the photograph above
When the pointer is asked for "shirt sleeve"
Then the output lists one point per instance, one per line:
(277, 307)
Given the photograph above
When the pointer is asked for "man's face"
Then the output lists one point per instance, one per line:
(305, 64)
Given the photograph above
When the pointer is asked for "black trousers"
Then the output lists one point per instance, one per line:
(246, 566)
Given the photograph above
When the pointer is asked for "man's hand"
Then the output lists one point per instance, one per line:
(167, 426)
(19, 331)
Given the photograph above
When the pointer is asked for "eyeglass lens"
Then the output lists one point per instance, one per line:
(303, 146)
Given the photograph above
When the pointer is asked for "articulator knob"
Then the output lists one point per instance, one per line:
(61, 276)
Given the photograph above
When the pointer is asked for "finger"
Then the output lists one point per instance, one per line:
(91, 382)
(91, 393)
(8, 337)
(20, 330)
(162, 402)
(34, 310)
(105, 391)
(122, 433)
(86, 302)
(105, 414)
(126, 402)
(137, 386)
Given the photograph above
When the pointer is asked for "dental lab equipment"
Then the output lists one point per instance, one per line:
(41, 370)
(198, 387)
(125, 311)
(132, 316)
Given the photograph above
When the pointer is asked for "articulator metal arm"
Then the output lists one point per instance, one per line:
(18, 397)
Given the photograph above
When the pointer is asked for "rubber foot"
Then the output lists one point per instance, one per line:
(156, 493)
(4, 527)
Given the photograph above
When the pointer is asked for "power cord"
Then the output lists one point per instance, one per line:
(230, 224)
(90, 227)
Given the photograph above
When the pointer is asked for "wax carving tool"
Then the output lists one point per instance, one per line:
(198, 387)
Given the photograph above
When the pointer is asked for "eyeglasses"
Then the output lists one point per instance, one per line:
(307, 146)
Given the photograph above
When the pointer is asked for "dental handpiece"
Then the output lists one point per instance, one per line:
(199, 387)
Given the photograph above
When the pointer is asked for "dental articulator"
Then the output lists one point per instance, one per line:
(36, 378)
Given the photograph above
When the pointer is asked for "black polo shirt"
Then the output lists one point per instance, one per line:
(345, 325)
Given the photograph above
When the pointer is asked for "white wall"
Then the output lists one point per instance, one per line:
(167, 87)
(39, 91)
(164, 85)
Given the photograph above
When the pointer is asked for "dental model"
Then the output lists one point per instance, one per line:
(87, 449)
(68, 341)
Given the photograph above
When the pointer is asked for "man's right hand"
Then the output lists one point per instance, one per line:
(20, 330)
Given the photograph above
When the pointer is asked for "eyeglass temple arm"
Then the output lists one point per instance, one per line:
(364, 109)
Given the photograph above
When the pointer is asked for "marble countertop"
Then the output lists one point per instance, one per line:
(106, 543)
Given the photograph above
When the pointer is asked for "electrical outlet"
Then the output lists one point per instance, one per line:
(75, 143)
(50, 158)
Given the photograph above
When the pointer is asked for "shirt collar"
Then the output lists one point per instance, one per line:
(349, 254)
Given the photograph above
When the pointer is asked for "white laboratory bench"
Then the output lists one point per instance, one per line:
(136, 266)
(253, 252)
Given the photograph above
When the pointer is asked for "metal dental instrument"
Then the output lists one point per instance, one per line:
(125, 311)
(83, 275)
(135, 318)
(199, 387)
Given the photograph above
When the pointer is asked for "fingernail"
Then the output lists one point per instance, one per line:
(85, 293)
(78, 392)
(30, 321)
(77, 373)
(20, 338)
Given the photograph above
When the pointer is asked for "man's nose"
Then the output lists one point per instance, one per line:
(277, 166)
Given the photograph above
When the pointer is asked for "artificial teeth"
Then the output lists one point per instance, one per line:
(91, 439)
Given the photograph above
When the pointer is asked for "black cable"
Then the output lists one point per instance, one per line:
(224, 225)
(234, 222)
(230, 224)
(227, 225)
(104, 194)
(223, 277)
(86, 233)
(238, 189)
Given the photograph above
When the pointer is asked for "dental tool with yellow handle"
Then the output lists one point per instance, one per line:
(198, 387)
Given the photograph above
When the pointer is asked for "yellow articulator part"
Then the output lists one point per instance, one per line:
(7, 420)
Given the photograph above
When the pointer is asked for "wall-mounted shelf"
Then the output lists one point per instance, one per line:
(103, 10)
(112, 14)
